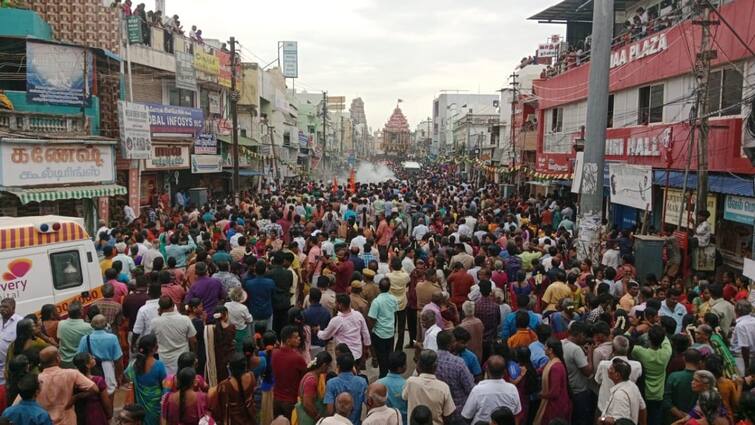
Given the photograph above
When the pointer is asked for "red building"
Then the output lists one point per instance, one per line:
(652, 94)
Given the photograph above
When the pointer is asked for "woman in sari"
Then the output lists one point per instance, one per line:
(147, 375)
(719, 345)
(310, 407)
(232, 401)
(185, 406)
(28, 343)
(555, 402)
(219, 345)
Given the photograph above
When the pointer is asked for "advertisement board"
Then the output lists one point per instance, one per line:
(37, 164)
(168, 157)
(205, 62)
(676, 202)
(136, 140)
(55, 74)
(186, 76)
(175, 121)
(134, 30)
(631, 185)
(203, 164)
(206, 144)
(290, 59)
(224, 72)
(740, 209)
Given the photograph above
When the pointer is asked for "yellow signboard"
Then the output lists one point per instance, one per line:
(674, 203)
(207, 63)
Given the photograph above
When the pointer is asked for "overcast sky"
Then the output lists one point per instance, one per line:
(382, 50)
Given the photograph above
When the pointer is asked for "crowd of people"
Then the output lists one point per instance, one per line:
(421, 302)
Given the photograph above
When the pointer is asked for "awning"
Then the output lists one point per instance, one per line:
(70, 192)
(572, 10)
(244, 172)
(243, 141)
(728, 184)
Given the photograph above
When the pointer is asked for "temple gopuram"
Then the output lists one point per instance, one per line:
(396, 135)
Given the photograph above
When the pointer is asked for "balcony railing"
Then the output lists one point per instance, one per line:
(42, 123)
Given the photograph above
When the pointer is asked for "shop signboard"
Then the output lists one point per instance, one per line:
(206, 144)
(290, 59)
(740, 209)
(675, 202)
(203, 164)
(168, 157)
(213, 102)
(39, 164)
(224, 71)
(136, 140)
(134, 30)
(206, 63)
(175, 121)
(55, 74)
(631, 185)
(186, 76)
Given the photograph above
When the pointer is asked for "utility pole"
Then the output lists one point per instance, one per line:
(514, 103)
(235, 123)
(276, 170)
(324, 127)
(702, 74)
(342, 131)
(591, 192)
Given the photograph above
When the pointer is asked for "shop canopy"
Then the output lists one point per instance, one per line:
(727, 184)
(26, 195)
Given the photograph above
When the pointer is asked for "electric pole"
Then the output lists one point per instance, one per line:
(702, 74)
(235, 122)
(514, 102)
(324, 127)
(591, 192)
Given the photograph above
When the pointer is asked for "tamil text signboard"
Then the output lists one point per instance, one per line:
(39, 164)
(168, 157)
(55, 74)
(290, 59)
(186, 77)
(136, 140)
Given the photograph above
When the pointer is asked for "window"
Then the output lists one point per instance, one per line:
(725, 92)
(66, 269)
(609, 122)
(650, 104)
(181, 97)
(557, 120)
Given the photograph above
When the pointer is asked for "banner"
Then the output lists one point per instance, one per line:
(631, 185)
(203, 164)
(55, 74)
(547, 50)
(175, 121)
(186, 77)
(225, 73)
(675, 202)
(290, 59)
(303, 140)
(740, 209)
(134, 30)
(35, 164)
(136, 139)
(205, 62)
(206, 144)
(168, 157)
(578, 165)
(213, 102)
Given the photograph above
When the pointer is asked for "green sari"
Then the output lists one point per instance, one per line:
(148, 390)
(722, 350)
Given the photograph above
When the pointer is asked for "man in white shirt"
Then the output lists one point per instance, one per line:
(126, 261)
(8, 321)
(612, 255)
(175, 334)
(128, 213)
(420, 230)
(359, 242)
(626, 399)
(620, 351)
(428, 321)
(147, 312)
(491, 394)
(348, 327)
(743, 336)
(343, 407)
(377, 412)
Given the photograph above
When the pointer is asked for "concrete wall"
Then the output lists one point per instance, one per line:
(18, 98)
(23, 23)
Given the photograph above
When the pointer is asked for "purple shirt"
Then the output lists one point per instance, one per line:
(350, 329)
(209, 290)
(435, 309)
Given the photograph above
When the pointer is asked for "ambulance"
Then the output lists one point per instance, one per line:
(47, 260)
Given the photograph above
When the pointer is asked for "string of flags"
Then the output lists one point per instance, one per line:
(507, 169)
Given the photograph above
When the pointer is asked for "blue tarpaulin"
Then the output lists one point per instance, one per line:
(717, 183)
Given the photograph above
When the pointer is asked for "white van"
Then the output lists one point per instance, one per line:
(47, 260)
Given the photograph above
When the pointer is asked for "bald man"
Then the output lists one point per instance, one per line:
(56, 388)
(491, 393)
(377, 412)
(343, 406)
(106, 348)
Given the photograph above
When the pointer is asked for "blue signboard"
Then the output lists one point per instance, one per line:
(303, 140)
(175, 121)
(55, 74)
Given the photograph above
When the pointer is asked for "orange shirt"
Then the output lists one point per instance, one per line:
(56, 388)
(522, 338)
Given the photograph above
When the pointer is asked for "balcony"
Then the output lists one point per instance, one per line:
(43, 123)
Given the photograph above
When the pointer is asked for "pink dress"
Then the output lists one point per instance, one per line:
(191, 415)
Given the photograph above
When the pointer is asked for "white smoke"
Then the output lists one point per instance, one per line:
(368, 172)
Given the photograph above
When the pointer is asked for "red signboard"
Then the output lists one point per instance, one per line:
(657, 57)
(660, 146)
